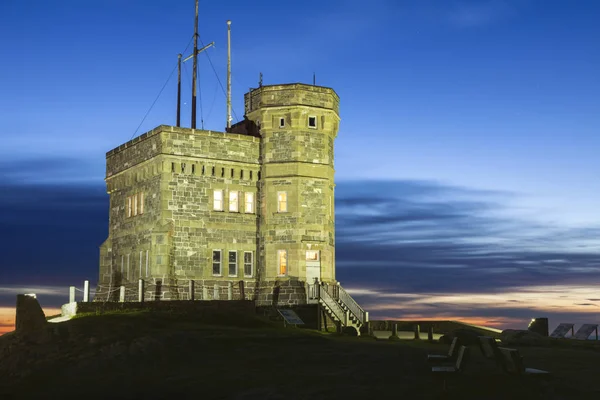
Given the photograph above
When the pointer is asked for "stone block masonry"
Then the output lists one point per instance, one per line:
(213, 207)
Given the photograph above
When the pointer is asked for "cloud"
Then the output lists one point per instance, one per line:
(47, 170)
(403, 247)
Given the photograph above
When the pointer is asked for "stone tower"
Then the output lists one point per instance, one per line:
(298, 125)
(194, 213)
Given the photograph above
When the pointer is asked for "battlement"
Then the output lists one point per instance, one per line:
(291, 95)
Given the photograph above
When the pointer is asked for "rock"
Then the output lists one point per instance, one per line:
(31, 322)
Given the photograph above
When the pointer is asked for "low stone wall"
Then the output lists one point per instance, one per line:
(199, 307)
(443, 327)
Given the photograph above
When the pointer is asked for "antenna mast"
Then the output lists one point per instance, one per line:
(179, 90)
(228, 76)
(195, 74)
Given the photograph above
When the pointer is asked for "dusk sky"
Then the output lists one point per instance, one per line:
(466, 163)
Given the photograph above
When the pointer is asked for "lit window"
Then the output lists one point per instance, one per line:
(282, 202)
(217, 262)
(312, 255)
(218, 200)
(233, 201)
(312, 122)
(135, 207)
(129, 207)
(248, 263)
(233, 263)
(249, 202)
(281, 122)
(282, 255)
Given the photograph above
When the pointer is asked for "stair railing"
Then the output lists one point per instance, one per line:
(361, 315)
(332, 304)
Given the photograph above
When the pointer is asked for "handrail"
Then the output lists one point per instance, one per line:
(333, 305)
(361, 315)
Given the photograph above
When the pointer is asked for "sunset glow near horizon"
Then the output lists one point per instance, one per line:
(466, 162)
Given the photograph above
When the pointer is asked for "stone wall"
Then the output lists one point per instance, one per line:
(198, 307)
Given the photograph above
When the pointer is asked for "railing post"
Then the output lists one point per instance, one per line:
(347, 317)
(337, 291)
(216, 291)
(122, 294)
(205, 293)
(366, 317)
(86, 291)
(192, 289)
(141, 290)
(430, 333)
(229, 290)
(417, 332)
(71, 294)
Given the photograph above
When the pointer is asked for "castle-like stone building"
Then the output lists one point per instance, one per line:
(255, 204)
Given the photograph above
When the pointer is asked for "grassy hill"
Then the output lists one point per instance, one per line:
(157, 355)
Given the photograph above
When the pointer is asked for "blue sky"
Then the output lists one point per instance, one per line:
(469, 135)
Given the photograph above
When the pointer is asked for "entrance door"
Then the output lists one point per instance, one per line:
(313, 272)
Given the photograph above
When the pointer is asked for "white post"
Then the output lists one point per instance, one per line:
(230, 291)
(205, 293)
(141, 290)
(216, 292)
(347, 317)
(71, 294)
(366, 316)
(86, 291)
(122, 294)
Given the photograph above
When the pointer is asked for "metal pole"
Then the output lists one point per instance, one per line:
(228, 76)
(178, 90)
(195, 74)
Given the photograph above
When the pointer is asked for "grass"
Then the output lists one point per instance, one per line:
(154, 355)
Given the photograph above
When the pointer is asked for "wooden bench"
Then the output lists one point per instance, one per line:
(513, 363)
(452, 353)
(458, 366)
(490, 350)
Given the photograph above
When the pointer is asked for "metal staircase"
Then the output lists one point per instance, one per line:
(338, 304)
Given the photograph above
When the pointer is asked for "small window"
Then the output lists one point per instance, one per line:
(232, 173)
(216, 262)
(193, 169)
(233, 263)
(312, 122)
(251, 175)
(182, 168)
(203, 170)
(129, 201)
(213, 171)
(249, 203)
(233, 201)
(241, 174)
(222, 172)
(281, 201)
(141, 203)
(312, 255)
(218, 200)
(281, 122)
(248, 263)
(282, 256)
(258, 177)
(172, 167)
